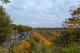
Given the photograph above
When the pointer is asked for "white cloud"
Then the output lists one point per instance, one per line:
(38, 12)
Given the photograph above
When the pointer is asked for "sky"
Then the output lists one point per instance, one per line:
(40, 13)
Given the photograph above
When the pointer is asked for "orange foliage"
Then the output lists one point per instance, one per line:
(71, 30)
(24, 45)
(56, 33)
(42, 40)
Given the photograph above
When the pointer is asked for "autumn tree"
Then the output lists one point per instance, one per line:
(73, 24)
(74, 21)
(71, 31)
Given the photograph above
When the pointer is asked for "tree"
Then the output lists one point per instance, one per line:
(74, 21)
(73, 25)
(21, 28)
(5, 25)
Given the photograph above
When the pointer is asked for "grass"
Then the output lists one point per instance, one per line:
(37, 47)
(3, 50)
(72, 48)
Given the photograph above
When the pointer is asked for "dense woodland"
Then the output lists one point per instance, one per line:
(42, 40)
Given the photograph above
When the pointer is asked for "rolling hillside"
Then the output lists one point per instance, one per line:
(42, 36)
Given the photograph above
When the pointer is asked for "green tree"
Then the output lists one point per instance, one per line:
(5, 25)
(21, 28)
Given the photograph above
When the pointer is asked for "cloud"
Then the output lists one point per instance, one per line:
(41, 13)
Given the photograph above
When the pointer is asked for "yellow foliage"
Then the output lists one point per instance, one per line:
(71, 30)
(56, 33)
(24, 45)
(42, 40)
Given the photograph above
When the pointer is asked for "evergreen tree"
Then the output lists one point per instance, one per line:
(5, 25)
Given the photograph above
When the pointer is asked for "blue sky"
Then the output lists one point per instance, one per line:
(40, 13)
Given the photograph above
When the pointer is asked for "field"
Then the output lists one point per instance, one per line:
(42, 41)
(44, 37)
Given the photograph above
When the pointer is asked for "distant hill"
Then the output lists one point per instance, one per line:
(48, 29)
